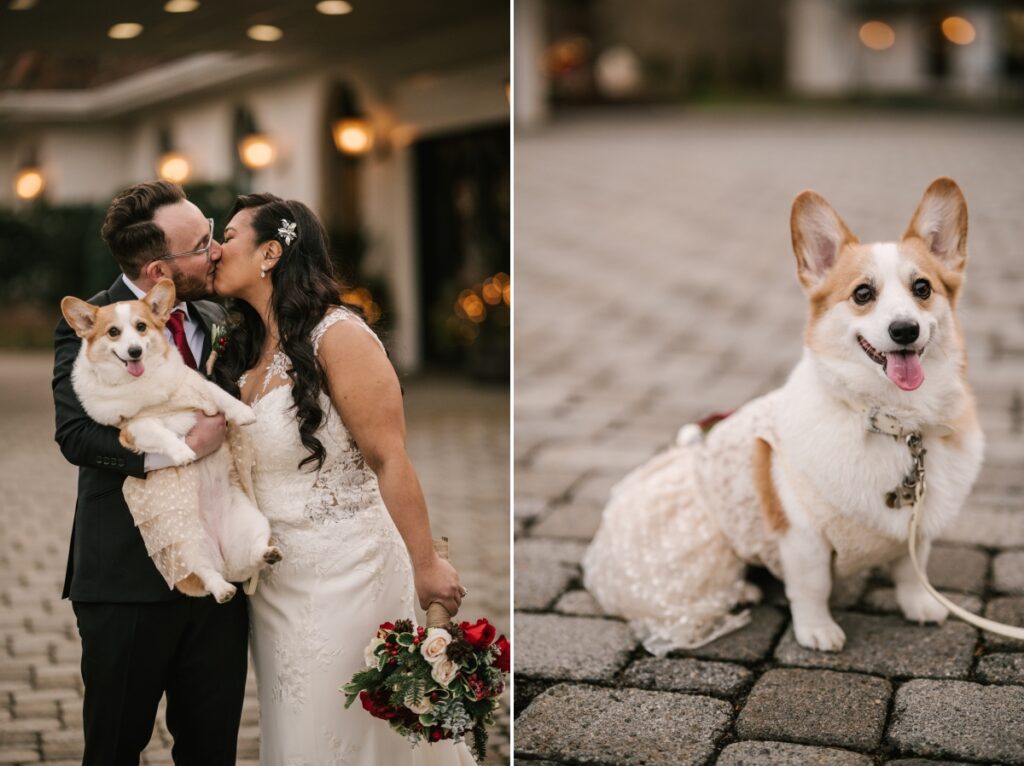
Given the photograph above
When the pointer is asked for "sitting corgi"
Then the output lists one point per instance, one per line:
(198, 519)
(815, 480)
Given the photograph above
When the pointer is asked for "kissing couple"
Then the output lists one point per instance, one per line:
(330, 473)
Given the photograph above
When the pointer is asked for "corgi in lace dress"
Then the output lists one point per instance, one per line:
(197, 518)
(801, 480)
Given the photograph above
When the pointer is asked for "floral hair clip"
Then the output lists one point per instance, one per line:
(287, 231)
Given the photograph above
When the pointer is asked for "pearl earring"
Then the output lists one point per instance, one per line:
(263, 273)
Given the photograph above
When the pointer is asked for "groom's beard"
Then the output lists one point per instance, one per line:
(191, 287)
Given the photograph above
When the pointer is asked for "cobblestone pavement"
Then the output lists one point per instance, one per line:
(458, 440)
(656, 285)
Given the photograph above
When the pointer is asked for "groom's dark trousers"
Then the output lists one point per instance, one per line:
(139, 638)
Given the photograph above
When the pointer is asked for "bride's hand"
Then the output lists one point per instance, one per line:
(438, 581)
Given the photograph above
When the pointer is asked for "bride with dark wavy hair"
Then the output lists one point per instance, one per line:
(332, 475)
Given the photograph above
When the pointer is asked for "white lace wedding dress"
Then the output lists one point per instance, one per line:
(345, 570)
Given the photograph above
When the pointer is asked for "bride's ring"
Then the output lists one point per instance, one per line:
(464, 592)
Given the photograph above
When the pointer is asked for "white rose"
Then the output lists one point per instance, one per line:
(422, 707)
(369, 652)
(435, 645)
(444, 671)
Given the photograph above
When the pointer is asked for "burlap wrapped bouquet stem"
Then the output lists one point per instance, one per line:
(437, 615)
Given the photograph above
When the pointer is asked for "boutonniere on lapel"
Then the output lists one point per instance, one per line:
(218, 342)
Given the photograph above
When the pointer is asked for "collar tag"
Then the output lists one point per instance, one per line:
(884, 423)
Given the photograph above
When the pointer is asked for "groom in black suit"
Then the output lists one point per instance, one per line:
(139, 638)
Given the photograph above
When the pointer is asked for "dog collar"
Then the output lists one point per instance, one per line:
(911, 489)
(882, 422)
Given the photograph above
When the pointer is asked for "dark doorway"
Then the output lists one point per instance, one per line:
(463, 196)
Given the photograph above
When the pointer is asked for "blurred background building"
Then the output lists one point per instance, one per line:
(968, 53)
(390, 119)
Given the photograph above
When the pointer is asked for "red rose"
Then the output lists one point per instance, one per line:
(504, 654)
(376, 705)
(480, 635)
(436, 734)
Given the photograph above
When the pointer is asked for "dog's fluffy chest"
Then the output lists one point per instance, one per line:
(173, 394)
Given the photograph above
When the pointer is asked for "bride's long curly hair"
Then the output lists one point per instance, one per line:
(305, 287)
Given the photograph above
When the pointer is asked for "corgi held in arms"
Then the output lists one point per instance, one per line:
(815, 480)
(197, 518)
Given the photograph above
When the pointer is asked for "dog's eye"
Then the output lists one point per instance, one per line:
(141, 327)
(863, 294)
(113, 332)
(922, 288)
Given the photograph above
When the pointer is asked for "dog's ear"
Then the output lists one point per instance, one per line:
(819, 235)
(940, 221)
(161, 299)
(79, 314)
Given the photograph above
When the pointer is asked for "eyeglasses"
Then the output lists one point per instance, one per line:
(201, 251)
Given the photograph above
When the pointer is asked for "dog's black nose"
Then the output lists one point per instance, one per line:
(904, 332)
(136, 351)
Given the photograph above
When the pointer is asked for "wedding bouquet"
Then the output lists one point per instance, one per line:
(434, 683)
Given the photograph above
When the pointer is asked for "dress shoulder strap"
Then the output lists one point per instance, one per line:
(339, 314)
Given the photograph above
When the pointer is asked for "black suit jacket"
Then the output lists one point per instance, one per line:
(108, 560)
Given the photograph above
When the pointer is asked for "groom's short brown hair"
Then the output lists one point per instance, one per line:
(128, 229)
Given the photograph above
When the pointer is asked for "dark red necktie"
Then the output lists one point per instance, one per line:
(176, 324)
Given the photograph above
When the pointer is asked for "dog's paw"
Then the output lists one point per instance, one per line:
(180, 453)
(272, 555)
(920, 606)
(822, 636)
(241, 414)
(224, 593)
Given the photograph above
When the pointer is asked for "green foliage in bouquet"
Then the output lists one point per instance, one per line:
(434, 684)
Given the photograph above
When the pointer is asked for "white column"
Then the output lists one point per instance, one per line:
(975, 67)
(530, 84)
(821, 44)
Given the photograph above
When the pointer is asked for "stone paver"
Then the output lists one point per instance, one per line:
(580, 603)
(457, 439)
(890, 646)
(621, 726)
(574, 648)
(570, 521)
(544, 570)
(656, 284)
(959, 719)
(1008, 572)
(802, 705)
(720, 679)
(884, 600)
(787, 754)
(1001, 668)
(1009, 610)
(953, 567)
(751, 643)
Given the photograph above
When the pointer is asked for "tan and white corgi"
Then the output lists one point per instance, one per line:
(811, 480)
(199, 524)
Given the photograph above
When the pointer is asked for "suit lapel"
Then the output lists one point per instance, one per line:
(205, 322)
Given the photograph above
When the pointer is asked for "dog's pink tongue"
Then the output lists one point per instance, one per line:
(135, 369)
(904, 369)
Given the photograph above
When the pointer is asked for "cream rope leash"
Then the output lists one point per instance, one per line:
(984, 623)
(910, 492)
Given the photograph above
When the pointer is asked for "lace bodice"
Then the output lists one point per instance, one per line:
(342, 489)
